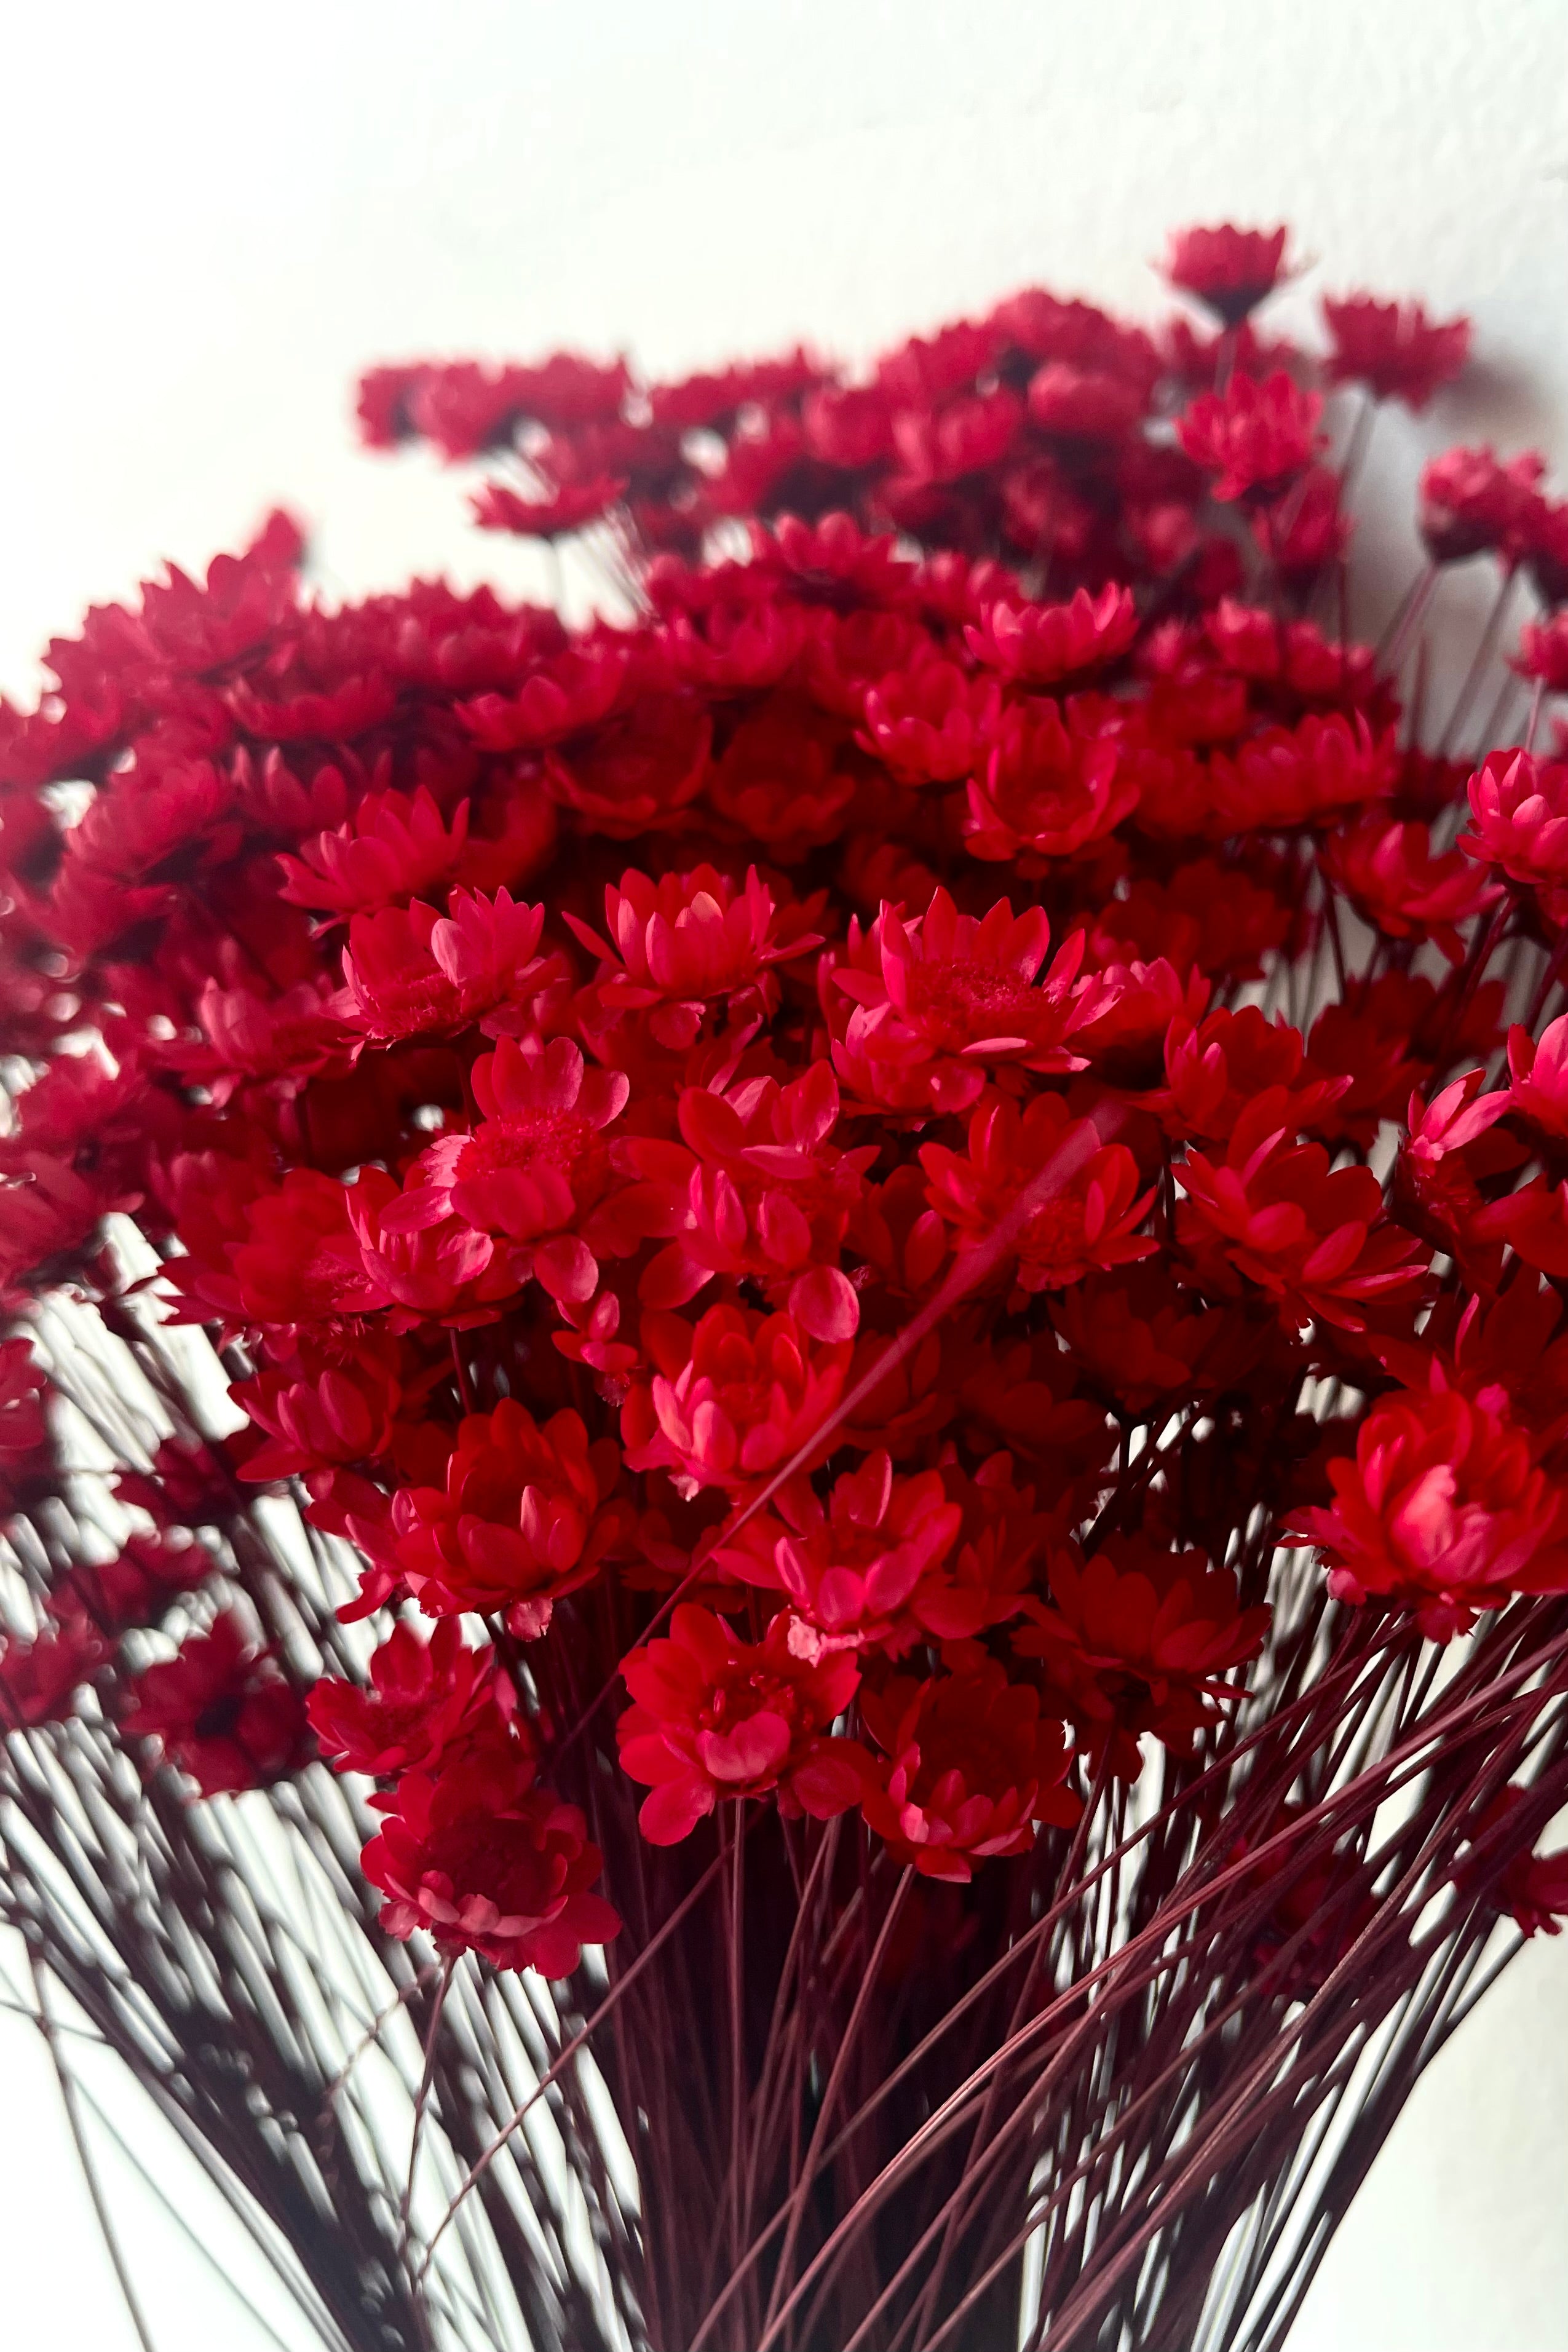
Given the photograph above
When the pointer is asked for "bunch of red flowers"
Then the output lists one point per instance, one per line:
(821, 1173)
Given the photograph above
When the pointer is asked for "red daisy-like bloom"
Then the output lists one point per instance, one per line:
(137, 1588)
(534, 1164)
(1140, 1640)
(1048, 790)
(755, 1188)
(1442, 1509)
(1092, 1222)
(39, 1679)
(1041, 644)
(940, 1001)
(1313, 1238)
(322, 1413)
(1391, 877)
(521, 1520)
(1538, 1068)
(410, 972)
(969, 1767)
(222, 1712)
(1544, 653)
(1254, 438)
(425, 1698)
(1519, 817)
(563, 511)
(685, 942)
(930, 724)
(1310, 774)
(731, 1398)
(484, 1860)
(715, 1716)
(855, 1574)
(1394, 348)
(1214, 1068)
(1473, 504)
(1230, 271)
(1138, 1339)
(394, 848)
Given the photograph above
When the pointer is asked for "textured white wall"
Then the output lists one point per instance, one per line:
(210, 217)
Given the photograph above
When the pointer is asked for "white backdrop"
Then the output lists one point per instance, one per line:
(211, 217)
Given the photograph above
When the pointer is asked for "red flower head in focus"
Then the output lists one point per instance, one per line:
(485, 1860)
(222, 1711)
(757, 1188)
(1139, 1640)
(1519, 820)
(1391, 877)
(969, 1766)
(731, 1398)
(715, 1716)
(411, 972)
(519, 1522)
(1314, 1239)
(940, 1001)
(534, 1164)
(1091, 1221)
(1442, 1509)
(857, 1572)
(1255, 438)
(1538, 1069)
(1230, 271)
(425, 1700)
(687, 941)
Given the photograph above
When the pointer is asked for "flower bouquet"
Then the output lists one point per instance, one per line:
(784, 1444)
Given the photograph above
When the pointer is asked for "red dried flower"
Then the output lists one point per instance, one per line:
(731, 1399)
(533, 1165)
(1390, 877)
(519, 1521)
(1091, 1223)
(1519, 811)
(715, 1717)
(485, 1860)
(755, 1189)
(425, 1699)
(856, 1575)
(685, 942)
(137, 1588)
(1137, 1639)
(1230, 269)
(1394, 348)
(1256, 438)
(1472, 504)
(969, 1767)
(1316, 1241)
(1544, 653)
(930, 724)
(940, 1001)
(411, 972)
(222, 1712)
(39, 1679)
(1442, 1509)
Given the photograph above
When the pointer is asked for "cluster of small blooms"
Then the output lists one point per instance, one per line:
(562, 1065)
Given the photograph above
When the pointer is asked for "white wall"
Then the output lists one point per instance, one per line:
(211, 216)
